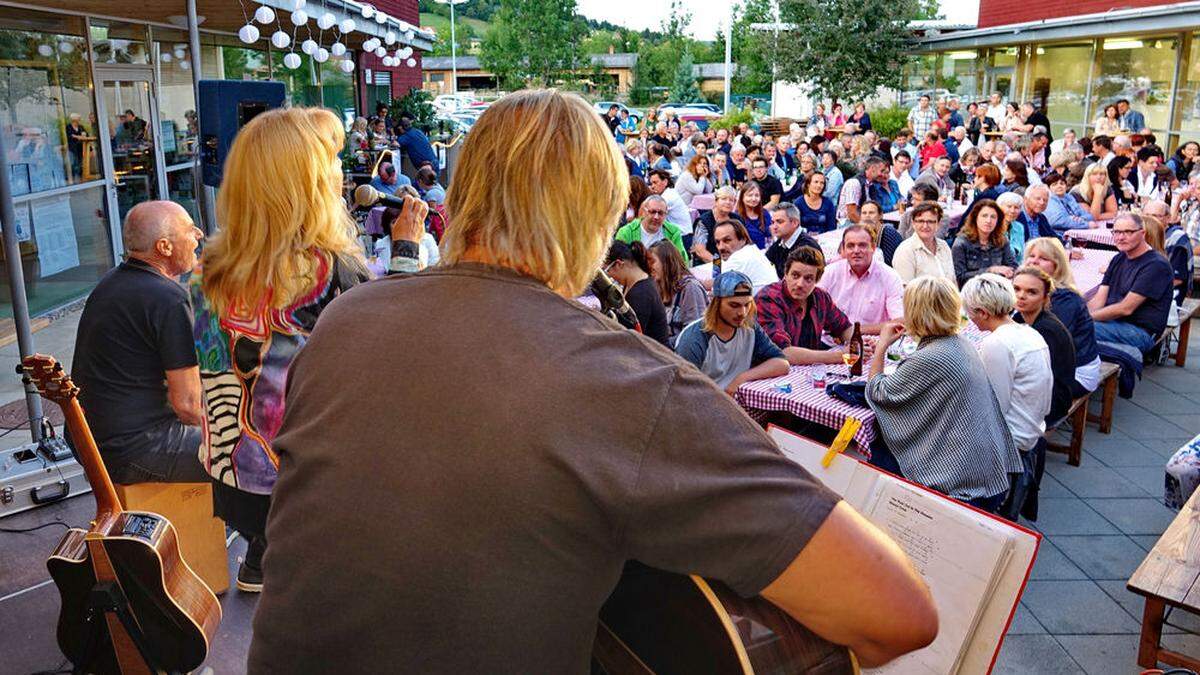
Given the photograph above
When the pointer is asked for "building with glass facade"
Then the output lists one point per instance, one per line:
(97, 114)
(1073, 66)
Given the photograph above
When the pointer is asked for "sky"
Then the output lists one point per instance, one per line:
(709, 15)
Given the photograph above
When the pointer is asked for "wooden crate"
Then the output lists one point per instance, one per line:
(189, 507)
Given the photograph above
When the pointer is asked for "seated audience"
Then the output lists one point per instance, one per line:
(920, 194)
(939, 421)
(1119, 170)
(683, 296)
(982, 245)
(770, 188)
(1010, 205)
(1063, 211)
(887, 238)
(753, 213)
(414, 143)
(1095, 194)
(866, 289)
(388, 180)
(627, 265)
(1033, 213)
(855, 190)
(739, 254)
(1071, 309)
(694, 179)
(788, 235)
(1131, 305)
(135, 362)
(1034, 290)
(795, 313)
(1015, 357)
(704, 243)
(727, 344)
(817, 213)
(924, 253)
(678, 213)
(652, 226)
(986, 186)
(428, 187)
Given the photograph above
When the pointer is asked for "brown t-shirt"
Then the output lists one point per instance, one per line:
(468, 459)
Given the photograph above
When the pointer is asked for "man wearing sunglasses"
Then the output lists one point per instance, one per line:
(1131, 305)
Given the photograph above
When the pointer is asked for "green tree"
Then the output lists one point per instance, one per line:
(533, 42)
(819, 55)
(684, 89)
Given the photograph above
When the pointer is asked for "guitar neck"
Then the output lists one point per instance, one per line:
(107, 503)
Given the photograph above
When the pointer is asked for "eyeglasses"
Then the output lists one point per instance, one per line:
(1125, 233)
(925, 221)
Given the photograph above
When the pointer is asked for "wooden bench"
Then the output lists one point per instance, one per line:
(189, 507)
(1079, 415)
(1169, 576)
(1188, 311)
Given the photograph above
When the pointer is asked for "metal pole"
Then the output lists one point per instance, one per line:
(728, 55)
(200, 194)
(453, 53)
(16, 284)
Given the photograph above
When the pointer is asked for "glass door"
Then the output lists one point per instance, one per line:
(129, 132)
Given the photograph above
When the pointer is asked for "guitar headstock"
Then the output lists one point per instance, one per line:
(48, 375)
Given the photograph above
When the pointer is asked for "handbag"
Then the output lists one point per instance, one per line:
(854, 393)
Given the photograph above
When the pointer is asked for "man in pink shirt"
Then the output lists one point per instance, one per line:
(865, 289)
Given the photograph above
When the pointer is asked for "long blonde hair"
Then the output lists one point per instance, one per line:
(538, 188)
(1085, 185)
(1052, 248)
(280, 204)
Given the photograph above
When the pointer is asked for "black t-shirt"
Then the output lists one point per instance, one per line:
(136, 325)
(1039, 119)
(661, 139)
(769, 186)
(613, 123)
(647, 304)
(1062, 361)
(1149, 275)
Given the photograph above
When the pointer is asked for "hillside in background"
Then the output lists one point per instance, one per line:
(442, 24)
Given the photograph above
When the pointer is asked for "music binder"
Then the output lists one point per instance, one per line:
(975, 563)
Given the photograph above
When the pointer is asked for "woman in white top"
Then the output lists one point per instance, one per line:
(1108, 123)
(694, 180)
(1015, 356)
(1012, 117)
(924, 253)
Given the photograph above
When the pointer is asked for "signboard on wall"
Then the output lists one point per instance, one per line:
(58, 250)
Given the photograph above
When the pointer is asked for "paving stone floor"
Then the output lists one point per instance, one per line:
(1099, 520)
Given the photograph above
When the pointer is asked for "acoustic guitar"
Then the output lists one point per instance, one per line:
(130, 604)
(660, 623)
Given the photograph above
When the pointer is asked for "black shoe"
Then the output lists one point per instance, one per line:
(249, 579)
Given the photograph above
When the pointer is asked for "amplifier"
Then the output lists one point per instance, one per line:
(33, 475)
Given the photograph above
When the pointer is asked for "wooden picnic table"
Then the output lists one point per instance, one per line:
(1169, 576)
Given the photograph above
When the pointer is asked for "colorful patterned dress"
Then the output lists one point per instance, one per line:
(243, 369)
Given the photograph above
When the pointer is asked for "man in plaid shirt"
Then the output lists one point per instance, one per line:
(795, 313)
(921, 117)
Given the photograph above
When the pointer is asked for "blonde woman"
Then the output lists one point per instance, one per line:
(449, 465)
(1096, 195)
(1048, 254)
(286, 249)
(359, 137)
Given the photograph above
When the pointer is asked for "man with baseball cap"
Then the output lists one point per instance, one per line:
(727, 344)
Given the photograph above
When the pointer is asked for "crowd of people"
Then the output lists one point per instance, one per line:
(979, 199)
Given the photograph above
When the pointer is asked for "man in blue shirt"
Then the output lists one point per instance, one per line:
(727, 344)
(1131, 119)
(416, 145)
(1132, 304)
(389, 180)
(1033, 213)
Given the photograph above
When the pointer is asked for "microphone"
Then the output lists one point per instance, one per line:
(612, 301)
(366, 196)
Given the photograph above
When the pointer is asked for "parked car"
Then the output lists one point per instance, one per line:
(602, 108)
(449, 103)
(711, 107)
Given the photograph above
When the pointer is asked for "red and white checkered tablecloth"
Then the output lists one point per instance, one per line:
(1089, 270)
(809, 403)
(1098, 235)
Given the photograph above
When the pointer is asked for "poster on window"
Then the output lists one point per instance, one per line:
(58, 249)
(21, 222)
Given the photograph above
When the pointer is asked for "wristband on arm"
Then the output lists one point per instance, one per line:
(406, 257)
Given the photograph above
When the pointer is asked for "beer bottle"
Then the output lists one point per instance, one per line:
(856, 347)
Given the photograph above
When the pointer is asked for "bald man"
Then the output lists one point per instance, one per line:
(135, 359)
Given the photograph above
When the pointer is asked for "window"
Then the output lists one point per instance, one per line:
(918, 79)
(119, 42)
(1189, 88)
(1140, 70)
(960, 74)
(1059, 84)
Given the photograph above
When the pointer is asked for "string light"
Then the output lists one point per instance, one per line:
(264, 14)
(248, 34)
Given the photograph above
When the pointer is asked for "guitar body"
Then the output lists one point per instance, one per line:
(687, 625)
(164, 593)
(130, 604)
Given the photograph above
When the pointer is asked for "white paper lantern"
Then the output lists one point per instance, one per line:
(390, 38)
(292, 60)
(280, 39)
(367, 11)
(380, 52)
(408, 34)
(321, 56)
(370, 44)
(381, 19)
(45, 50)
(299, 17)
(406, 52)
(165, 57)
(337, 49)
(264, 14)
(411, 62)
(180, 53)
(309, 46)
(248, 34)
(387, 62)
(346, 65)
(347, 25)
(184, 65)
(326, 21)
(66, 47)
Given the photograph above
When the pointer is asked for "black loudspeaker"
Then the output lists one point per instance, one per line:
(225, 107)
